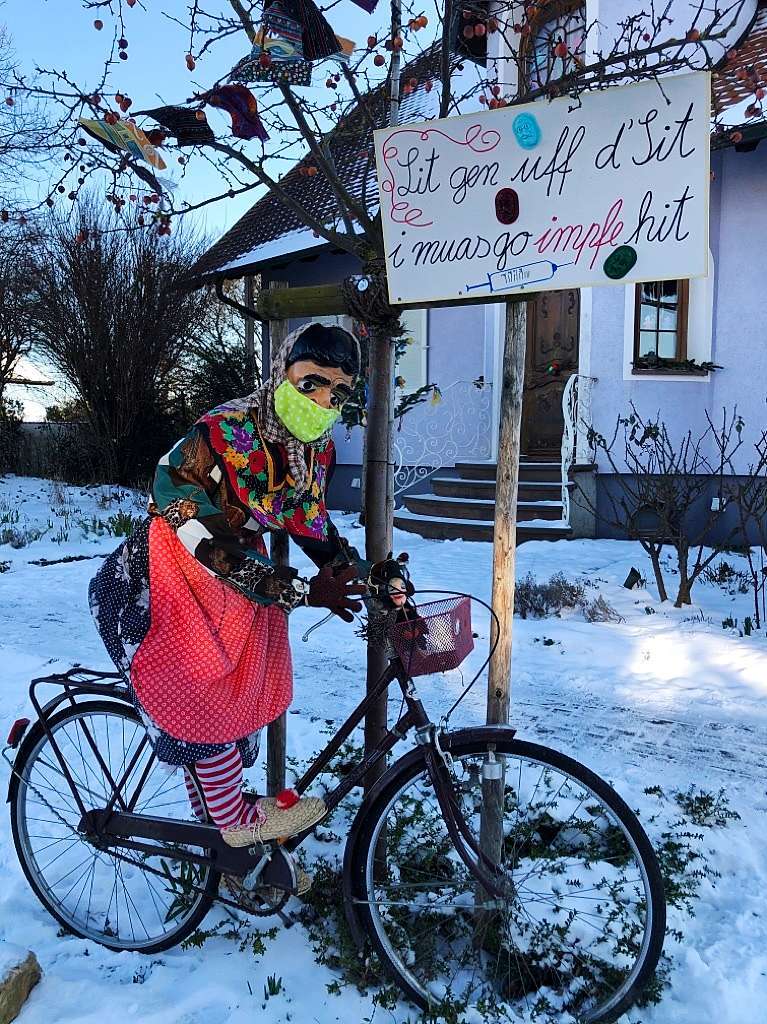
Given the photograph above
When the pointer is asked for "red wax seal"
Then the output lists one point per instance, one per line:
(507, 205)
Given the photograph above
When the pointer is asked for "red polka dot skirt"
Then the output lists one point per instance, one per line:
(213, 666)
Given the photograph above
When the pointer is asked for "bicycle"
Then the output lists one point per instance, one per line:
(485, 872)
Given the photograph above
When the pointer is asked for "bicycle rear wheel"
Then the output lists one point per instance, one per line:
(582, 929)
(92, 892)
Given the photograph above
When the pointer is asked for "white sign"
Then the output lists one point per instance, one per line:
(544, 197)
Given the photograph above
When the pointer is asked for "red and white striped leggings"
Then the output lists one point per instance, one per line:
(220, 780)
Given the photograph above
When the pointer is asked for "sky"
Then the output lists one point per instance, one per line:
(60, 34)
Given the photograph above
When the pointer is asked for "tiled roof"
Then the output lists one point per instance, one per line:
(733, 85)
(350, 143)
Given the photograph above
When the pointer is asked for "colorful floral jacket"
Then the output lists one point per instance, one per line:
(223, 486)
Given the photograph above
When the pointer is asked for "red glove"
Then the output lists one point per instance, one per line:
(336, 592)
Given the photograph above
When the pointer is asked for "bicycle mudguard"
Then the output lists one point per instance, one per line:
(447, 741)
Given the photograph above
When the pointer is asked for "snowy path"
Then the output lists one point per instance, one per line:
(666, 697)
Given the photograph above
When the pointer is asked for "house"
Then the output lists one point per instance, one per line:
(591, 353)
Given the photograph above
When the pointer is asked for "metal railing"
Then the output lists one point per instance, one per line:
(576, 412)
(432, 436)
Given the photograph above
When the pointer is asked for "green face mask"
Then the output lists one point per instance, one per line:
(300, 415)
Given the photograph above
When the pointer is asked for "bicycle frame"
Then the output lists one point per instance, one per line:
(116, 824)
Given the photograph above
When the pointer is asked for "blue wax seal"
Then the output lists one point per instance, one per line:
(526, 130)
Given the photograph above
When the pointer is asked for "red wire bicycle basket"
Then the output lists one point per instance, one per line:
(436, 638)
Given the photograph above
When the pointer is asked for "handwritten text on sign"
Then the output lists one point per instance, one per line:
(544, 197)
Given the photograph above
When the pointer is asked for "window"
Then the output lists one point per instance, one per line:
(412, 364)
(564, 23)
(660, 321)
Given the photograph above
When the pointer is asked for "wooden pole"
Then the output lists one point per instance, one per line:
(378, 512)
(505, 528)
(276, 733)
(250, 334)
(504, 557)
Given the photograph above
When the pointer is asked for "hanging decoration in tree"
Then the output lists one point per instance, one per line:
(123, 135)
(278, 51)
(346, 49)
(183, 123)
(240, 104)
(318, 38)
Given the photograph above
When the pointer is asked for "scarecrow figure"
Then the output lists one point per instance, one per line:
(190, 607)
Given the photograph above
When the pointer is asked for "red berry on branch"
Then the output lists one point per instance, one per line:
(413, 83)
(98, 24)
(379, 60)
(646, 37)
(4, 216)
(182, 160)
(111, 118)
(122, 55)
(72, 196)
(760, 94)
(119, 97)
(428, 85)
(311, 171)
(483, 99)
(468, 32)
(752, 110)
(406, 90)
(736, 137)
(479, 30)
(122, 43)
(560, 50)
(9, 101)
(493, 104)
(398, 42)
(496, 90)
(61, 189)
(371, 42)
(132, 198)
(190, 62)
(492, 24)
(154, 198)
(423, 21)
(131, 3)
(693, 35)
(200, 115)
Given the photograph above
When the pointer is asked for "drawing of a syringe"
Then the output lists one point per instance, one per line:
(519, 277)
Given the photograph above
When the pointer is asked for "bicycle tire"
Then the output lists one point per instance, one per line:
(373, 817)
(34, 743)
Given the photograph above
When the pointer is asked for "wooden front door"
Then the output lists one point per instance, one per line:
(552, 357)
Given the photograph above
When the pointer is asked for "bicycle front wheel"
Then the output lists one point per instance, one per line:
(581, 930)
(118, 902)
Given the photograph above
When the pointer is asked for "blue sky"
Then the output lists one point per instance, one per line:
(60, 34)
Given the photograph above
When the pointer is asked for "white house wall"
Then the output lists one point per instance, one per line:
(727, 320)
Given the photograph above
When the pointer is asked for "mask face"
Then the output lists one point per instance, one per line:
(300, 415)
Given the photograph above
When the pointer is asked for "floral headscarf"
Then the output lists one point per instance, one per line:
(272, 427)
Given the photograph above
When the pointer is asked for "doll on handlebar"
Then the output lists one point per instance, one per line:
(389, 584)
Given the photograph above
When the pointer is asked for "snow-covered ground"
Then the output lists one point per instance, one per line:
(666, 697)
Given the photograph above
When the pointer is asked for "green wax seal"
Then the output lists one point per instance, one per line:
(618, 263)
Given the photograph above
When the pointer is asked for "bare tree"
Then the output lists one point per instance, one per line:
(667, 492)
(751, 504)
(215, 364)
(110, 315)
(15, 304)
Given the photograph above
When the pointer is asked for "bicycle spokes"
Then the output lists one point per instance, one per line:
(568, 933)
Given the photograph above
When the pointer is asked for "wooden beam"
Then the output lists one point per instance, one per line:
(328, 300)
